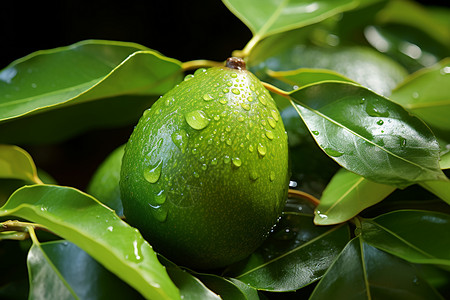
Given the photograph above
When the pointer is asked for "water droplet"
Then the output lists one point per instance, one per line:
(110, 228)
(261, 149)
(228, 128)
(204, 167)
(223, 101)
(262, 99)
(402, 141)
(160, 198)
(272, 176)
(252, 87)
(362, 100)
(153, 172)
(236, 91)
(380, 122)
(214, 161)
(264, 122)
(321, 215)
(226, 159)
(228, 142)
(188, 77)
(236, 162)
(272, 122)
(445, 70)
(199, 71)
(254, 175)
(234, 75)
(159, 212)
(241, 118)
(250, 99)
(274, 115)
(229, 84)
(208, 97)
(225, 90)
(196, 175)
(197, 119)
(269, 135)
(169, 101)
(333, 152)
(217, 117)
(415, 95)
(315, 132)
(146, 112)
(245, 106)
(376, 112)
(194, 151)
(180, 138)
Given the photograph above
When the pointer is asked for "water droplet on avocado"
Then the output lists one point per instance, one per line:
(236, 91)
(160, 198)
(241, 118)
(179, 138)
(263, 100)
(159, 212)
(197, 119)
(146, 112)
(204, 167)
(228, 128)
(234, 75)
(228, 142)
(214, 161)
(223, 101)
(269, 135)
(199, 71)
(226, 159)
(250, 148)
(188, 77)
(153, 172)
(272, 122)
(217, 117)
(245, 106)
(333, 152)
(225, 90)
(254, 175)
(208, 97)
(272, 176)
(274, 115)
(236, 162)
(261, 149)
(250, 99)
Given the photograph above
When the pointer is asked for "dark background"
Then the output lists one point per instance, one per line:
(185, 30)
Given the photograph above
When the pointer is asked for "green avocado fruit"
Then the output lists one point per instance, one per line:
(205, 175)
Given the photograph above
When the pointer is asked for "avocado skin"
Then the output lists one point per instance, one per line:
(216, 151)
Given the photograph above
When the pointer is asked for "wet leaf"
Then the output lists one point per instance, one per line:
(368, 134)
(96, 229)
(346, 195)
(16, 163)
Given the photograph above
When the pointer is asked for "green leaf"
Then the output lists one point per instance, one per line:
(364, 272)
(190, 287)
(85, 71)
(368, 134)
(61, 270)
(96, 229)
(267, 17)
(416, 236)
(288, 260)
(439, 188)
(228, 288)
(304, 76)
(445, 161)
(16, 163)
(426, 95)
(346, 195)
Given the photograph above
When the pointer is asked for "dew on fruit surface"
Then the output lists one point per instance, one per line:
(274, 115)
(225, 90)
(159, 212)
(234, 75)
(223, 101)
(264, 122)
(315, 132)
(254, 175)
(226, 159)
(228, 128)
(228, 142)
(229, 84)
(196, 175)
(160, 197)
(272, 175)
(197, 119)
(250, 148)
(380, 122)
(214, 161)
(204, 167)
(169, 101)
(180, 138)
(263, 100)
(250, 99)
(236, 162)
(245, 106)
(269, 135)
(199, 71)
(146, 112)
(236, 91)
(217, 117)
(188, 77)
(194, 151)
(333, 152)
(241, 118)
(207, 97)
(445, 70)
(261, 149)
(272, 122)
(153, 172)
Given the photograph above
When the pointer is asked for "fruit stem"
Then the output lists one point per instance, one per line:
(302, 195)
(195, 64)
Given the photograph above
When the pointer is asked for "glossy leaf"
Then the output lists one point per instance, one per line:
(361, 64)
(288, 260)
(416, 236)
(368, 134)
(445, 161)
(96, 229)
(85, 71)
(16, 163)
(228, 288)
(61, 270)
(267, 17)
(304, 76)
(364, 272)
(190, 287)
(439, 188)
(346, 195)
(424, 95)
